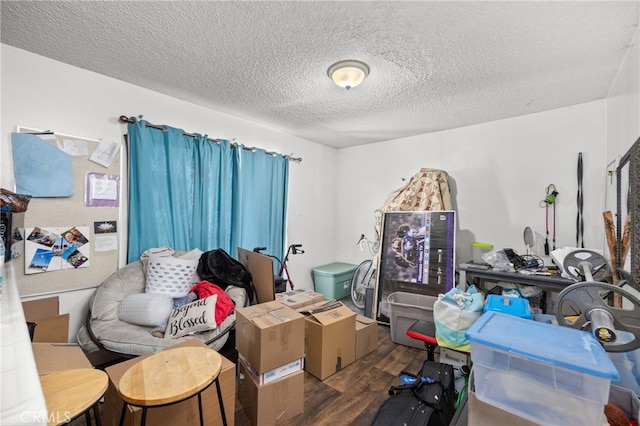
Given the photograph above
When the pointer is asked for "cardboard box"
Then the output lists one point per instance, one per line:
(260, 266)
(276, 373)
(183, 413)
(330, 338)
(51, 327)
(366, 335)
(273, 402)
(299, 298)
(269, 335)
(483, 414)
(52, 357)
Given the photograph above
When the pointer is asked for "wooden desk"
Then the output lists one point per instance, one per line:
(70, 393)
(548, 283)
(169, 377)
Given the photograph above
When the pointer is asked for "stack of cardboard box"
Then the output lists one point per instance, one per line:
(270, 345)
(50, 325)
(334, 335)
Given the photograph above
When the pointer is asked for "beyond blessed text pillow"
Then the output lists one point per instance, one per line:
(192, 318)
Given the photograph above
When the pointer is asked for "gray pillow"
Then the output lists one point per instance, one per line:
(147, 309)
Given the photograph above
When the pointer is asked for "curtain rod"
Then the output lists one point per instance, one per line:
(125, 119)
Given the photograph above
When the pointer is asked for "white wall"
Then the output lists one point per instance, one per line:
(623, 104)
(41, 93)
(499, 170)
(623, 119)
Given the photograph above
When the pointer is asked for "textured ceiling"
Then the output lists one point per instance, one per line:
(434, 65)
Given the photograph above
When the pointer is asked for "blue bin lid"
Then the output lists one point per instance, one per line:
(552, 344)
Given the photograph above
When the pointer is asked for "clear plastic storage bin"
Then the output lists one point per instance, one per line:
(478, 250)
(545, 373)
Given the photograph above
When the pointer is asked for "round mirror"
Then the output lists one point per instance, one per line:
(529, 237)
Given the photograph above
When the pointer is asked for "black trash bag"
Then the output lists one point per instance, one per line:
(217, 267)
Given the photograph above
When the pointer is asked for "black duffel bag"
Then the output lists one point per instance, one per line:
(427, 399)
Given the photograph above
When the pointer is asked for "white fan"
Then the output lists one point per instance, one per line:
(533, 241)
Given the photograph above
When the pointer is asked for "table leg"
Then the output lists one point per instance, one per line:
(462, 280)
(143, 422)
(224, 417)
(96, 414)
(200, 409)
(124, 411)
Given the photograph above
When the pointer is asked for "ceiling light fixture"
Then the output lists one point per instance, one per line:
(348, 74)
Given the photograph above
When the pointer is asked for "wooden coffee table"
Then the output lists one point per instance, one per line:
(70, 393)
(169, 377)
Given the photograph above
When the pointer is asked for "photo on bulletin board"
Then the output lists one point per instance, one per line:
(54, 249)
(17, 242)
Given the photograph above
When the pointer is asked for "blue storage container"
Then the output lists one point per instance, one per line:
(517, 306)
(545, 373)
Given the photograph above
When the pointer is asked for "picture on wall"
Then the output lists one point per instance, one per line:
(416, 256)
(54, 249)
(42, 237)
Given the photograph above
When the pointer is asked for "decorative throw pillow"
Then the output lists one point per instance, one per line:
(148, 309)
(192, 318)
(170, 275)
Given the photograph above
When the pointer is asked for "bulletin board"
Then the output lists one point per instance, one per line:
(71, 243)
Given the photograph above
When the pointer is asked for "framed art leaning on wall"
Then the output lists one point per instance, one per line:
(416, 255)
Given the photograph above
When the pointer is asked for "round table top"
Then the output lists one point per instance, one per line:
(170, 376)
(70, 393)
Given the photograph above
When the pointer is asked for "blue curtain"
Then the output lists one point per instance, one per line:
(188, 192)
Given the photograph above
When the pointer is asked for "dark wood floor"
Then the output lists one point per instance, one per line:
(349, 397)
(352, 395)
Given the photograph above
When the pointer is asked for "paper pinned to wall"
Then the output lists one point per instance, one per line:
(105, 153)
(76, 148)
(102, 190)
(105, 243)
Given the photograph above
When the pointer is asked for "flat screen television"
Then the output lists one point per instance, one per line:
(417, 255)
